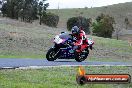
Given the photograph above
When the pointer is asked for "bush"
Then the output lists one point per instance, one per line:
(79, 21)
(50, 19)
(103, 27)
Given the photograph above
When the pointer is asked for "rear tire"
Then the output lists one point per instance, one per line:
(50, 56)
(79, 57)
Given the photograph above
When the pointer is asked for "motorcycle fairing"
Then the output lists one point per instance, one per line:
(66, 53)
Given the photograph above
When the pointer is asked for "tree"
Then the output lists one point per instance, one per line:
(79, 21)
(42, 6)
(4, 9)
(0, 2)
(27, 10)
(126, 21)
(12, 7)
(117, 30)
(103, 26)
(100, 17)
(50, 19)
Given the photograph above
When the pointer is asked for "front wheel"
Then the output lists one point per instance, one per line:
(79, 57)
(51, 54)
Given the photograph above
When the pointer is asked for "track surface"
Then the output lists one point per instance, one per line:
(40, 62)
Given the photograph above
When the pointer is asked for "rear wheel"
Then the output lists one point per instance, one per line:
(51, 54)
(79, 57)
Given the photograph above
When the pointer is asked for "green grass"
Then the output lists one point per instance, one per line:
(57, 77)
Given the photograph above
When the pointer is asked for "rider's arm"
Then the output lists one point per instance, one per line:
(79, 41)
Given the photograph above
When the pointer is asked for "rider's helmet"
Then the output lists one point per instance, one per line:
(75, 30)
(81, 28)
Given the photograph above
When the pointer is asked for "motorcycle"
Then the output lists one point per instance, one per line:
(63, 49)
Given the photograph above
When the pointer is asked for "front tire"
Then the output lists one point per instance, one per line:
(79, 57)
(50, 56)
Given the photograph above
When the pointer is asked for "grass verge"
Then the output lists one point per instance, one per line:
(23, 56)
(58, 77)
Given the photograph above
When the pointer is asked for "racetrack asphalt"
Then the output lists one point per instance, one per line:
(16, 63)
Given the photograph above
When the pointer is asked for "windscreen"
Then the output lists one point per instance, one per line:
(64, 36)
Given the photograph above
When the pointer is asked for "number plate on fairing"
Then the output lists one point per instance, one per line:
(66, 53)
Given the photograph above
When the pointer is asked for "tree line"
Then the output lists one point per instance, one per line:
(27, 10)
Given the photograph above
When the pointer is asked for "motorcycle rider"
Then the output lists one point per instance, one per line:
(79, 38)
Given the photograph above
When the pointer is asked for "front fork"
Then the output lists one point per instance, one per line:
(56, 50)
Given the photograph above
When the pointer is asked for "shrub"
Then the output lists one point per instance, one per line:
(50, 19)
(103, 27)
(79, 21)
